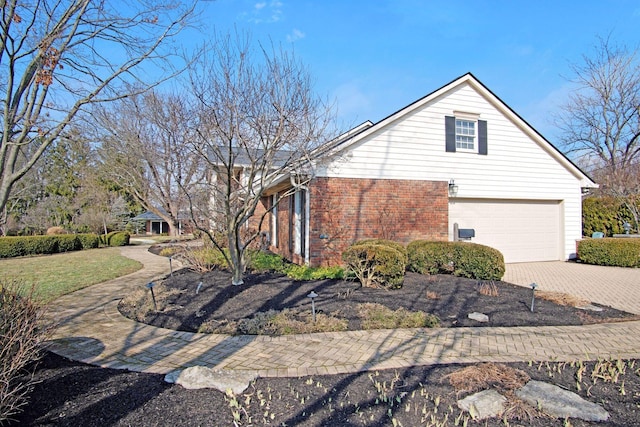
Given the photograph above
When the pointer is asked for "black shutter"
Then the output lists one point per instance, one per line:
(482, 137)
(450, 133)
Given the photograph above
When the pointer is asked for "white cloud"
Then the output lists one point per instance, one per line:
(266, 12)
(295, 35)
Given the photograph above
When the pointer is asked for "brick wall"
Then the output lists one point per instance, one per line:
(346, 210)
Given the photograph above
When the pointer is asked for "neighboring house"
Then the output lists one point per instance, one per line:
(154, 224)
(457, 158)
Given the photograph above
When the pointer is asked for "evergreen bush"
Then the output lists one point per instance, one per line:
(462, 259)
(375, 264)
(618, 252)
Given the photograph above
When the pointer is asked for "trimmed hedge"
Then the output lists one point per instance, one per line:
(115, 238)
(376, 264)
(395, 245)
(618, 252)
(16, 246)
(462, 259)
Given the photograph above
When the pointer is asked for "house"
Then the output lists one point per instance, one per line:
(456, 163)
(154, 224)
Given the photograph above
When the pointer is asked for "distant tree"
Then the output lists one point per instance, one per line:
(258, 120)
(145, 147)
(59, 57)
(602, 116)
(601, 121)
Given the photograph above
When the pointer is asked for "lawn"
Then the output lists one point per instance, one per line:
(60, 274)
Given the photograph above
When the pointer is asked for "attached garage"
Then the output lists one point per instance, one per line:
(523, 230)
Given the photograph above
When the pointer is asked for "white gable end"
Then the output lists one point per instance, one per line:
(519, 164)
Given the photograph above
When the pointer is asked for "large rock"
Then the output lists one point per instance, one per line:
(478, 317)
(202, 377)
(560, 403)
(484, 404)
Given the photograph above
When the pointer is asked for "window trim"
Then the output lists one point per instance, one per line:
(481, 140)
(474, 137)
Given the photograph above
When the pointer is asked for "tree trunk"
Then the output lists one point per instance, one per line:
(236, 254)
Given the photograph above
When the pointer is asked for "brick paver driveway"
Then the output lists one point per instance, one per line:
(613, 286)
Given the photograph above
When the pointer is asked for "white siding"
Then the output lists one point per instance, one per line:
(516, 167)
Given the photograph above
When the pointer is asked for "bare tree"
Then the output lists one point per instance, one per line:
(58, 57)
(601, 119)
(258, 121)
(146, 148)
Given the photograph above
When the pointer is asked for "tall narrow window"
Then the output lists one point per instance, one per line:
(274, 220)
(299, 221)
(465, 134)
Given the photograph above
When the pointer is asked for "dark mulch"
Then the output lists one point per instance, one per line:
(450, 298)
(74, 394)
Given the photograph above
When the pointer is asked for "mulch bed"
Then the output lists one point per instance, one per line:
(74, 394)
(450, 298)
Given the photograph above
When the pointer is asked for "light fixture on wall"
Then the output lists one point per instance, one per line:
(453, 188)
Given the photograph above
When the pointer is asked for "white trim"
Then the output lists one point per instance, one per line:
(306, 226)
(274, 220)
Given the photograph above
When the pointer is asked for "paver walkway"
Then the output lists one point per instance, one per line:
(93, 331)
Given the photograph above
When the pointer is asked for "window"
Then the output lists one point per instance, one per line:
(465, 134)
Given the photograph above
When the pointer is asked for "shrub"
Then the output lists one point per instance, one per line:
(119, 238)
(204, 259)
(89, 240)
(52, 231)
(22, 333)
(261, 261)
(395, 245)
(621, 252)
(68, 243)
(375, 265)
(426, 257)
(605, 214)
(462, 259)
(37, 245)
(478, 262)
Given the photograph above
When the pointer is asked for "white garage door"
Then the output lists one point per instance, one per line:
(522, 230)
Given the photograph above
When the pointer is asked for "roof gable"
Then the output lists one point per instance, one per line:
(342, 144)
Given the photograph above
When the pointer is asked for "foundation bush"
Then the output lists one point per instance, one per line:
(375, 265)
(462, 259)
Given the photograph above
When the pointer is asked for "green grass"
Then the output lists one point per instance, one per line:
(60, 274)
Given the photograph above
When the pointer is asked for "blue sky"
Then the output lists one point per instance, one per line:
(375, 57)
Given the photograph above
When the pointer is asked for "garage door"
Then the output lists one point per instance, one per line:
(522, 230)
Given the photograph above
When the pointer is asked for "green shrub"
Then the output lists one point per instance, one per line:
(375, 265)
(119, 238)
(395, 245)
(22, 336)
(478, 262)
(41, 245)
(262, 261)
(11, 247)
(462, 259)
(68, 243)
(620, 252)
(427, 257)
(89, 240)
(303, 272)
(604, 214)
